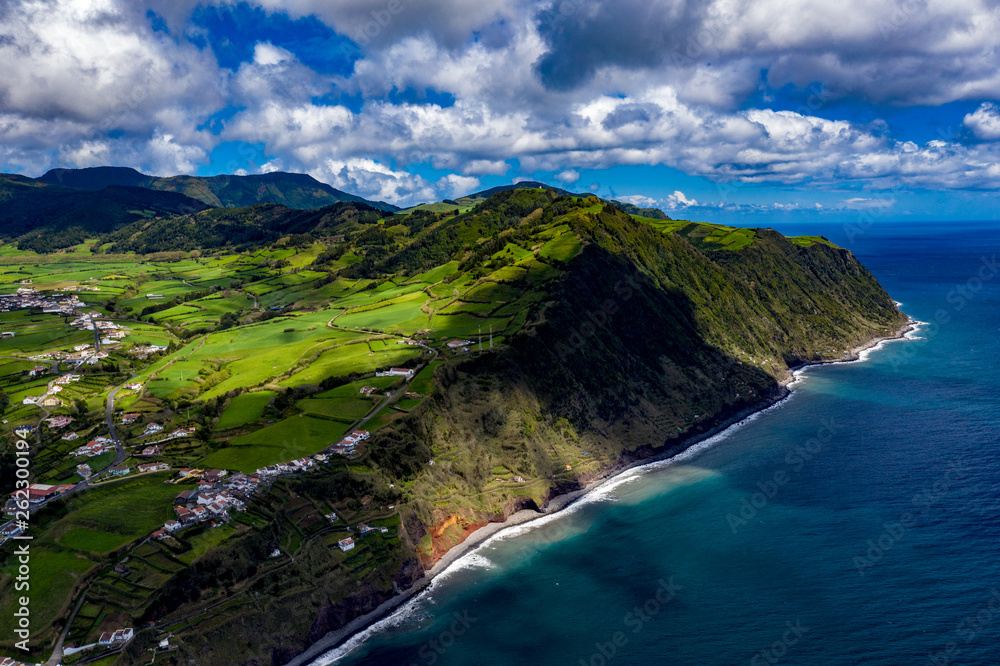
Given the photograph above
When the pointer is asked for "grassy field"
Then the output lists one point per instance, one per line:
(342, 409)
(286, 440)
(243, 409)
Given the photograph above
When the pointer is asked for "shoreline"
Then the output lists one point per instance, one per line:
(384, 611)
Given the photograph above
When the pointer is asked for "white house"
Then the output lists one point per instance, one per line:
(346, 544)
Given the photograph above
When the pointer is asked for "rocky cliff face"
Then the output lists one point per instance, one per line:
(649, 339)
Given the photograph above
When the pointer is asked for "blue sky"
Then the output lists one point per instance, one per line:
(736, 111)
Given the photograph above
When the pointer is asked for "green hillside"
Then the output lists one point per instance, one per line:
(554, 339)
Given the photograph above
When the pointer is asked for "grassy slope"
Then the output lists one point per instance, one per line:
(619, 336)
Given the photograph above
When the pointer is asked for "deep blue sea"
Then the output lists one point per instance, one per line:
(856, 523)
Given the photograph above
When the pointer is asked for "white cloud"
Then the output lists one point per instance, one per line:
(678, 200)
(569, 176)
(266, 53)
(984, 122)
(640, 200)
(375, 181)
(457, 186)
(612, 83)
(863, 203)
(97, 84)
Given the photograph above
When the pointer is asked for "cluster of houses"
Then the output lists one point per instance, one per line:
(176, 434)
(27, 297)
(111, 330)
(67, 379)
(212, 500)
(95, 447)
(295, 466)
(348, 445)
(46, 400)
(145, 351)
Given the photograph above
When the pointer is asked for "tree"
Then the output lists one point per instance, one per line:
(228, 320)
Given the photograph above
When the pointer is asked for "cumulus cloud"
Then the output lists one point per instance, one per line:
(678, 200)
(375, 181)
(569, 176)
(984, 122)
(903, 52)
(81, 72)
(674, 201)
(640, 200)
(457, 186)
(475, 87)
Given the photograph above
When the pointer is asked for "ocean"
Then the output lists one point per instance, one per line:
(854, 523)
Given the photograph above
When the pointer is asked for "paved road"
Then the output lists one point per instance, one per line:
(109, 417)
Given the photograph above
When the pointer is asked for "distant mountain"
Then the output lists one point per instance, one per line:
(239, 228)
(631, 209)
(97, 178)
(294, 190)
(45, 217)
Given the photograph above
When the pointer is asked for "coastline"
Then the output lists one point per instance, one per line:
(482, 535)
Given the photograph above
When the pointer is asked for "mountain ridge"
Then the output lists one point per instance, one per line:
(294, 190)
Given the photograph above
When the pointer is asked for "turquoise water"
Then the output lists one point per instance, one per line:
(869, 531)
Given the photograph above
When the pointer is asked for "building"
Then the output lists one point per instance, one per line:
(153, 467)
(7, 334)
(119, 470)
(171, 526)
(11, 529)
(84, 470)
(59, 421)
(346, 544)
(151, 451)
(153, 428)
(183, 498)
(70, 436)
(129, 419)
(50, 401)
(122, 636)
